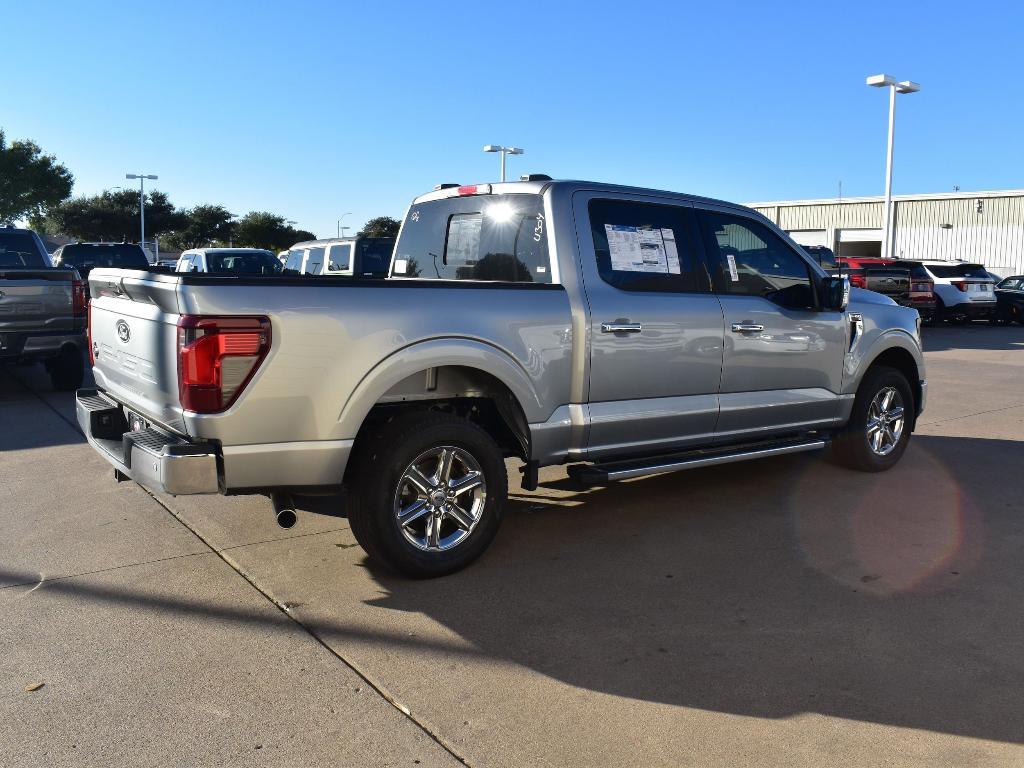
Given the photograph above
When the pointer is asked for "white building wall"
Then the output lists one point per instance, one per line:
(942, 226)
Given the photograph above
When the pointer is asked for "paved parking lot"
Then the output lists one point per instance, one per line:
(775, 612)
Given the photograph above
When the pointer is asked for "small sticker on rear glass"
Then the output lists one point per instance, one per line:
(733, 273)
(401, 266)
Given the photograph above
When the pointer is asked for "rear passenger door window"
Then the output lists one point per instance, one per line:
(645, 247)
(747, 259)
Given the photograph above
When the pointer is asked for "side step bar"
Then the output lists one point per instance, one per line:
(603, 473)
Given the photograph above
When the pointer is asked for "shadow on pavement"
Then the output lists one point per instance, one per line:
(768, 589)
(32, 414)
(973, 336)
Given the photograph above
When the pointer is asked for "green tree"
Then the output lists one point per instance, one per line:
(260, 229)
(111, 216)
(30, 182)
(203, 225)
(381, 226)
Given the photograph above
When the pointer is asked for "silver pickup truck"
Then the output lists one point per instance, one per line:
(622, 331)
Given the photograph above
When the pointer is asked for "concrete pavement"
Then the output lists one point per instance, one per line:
(777, 612)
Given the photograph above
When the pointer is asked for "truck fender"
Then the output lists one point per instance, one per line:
(435, 353)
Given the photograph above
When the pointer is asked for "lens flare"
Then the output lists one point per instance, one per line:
(889, 533)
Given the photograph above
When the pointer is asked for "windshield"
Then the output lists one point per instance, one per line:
(476, 237)
(19, 249)
(87, 256)
(248, 263)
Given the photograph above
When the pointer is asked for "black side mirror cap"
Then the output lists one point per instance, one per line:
(835, 293)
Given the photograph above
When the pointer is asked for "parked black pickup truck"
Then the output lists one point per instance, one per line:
(42, 309)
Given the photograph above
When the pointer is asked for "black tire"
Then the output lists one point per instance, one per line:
(376, 480)
(67, 370)
(851, 447)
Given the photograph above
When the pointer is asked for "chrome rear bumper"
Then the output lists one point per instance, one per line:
(151, 458)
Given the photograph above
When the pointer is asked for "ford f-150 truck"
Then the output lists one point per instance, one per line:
(42, 309)
(622, 331)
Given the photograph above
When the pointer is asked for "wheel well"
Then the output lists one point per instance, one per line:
(466, 392)
(902, 361)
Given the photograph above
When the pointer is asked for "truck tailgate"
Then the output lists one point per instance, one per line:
(133, 326)
(36, 299)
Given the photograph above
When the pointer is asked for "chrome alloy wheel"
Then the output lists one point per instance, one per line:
(440, 498)
(885, 421)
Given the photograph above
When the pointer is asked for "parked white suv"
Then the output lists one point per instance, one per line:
(964, 291)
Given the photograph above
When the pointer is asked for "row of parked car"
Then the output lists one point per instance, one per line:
(941, 291)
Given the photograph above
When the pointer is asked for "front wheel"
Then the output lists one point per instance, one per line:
(879, 428)
(427, 493)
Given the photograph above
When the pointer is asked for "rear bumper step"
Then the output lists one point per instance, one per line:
(623, 470)
(151, 458)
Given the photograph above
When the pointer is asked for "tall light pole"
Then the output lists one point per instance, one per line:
(904, 86)
(142, 203)
(342, 219)
(504, 151)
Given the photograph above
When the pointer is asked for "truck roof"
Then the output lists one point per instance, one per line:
(571, 185)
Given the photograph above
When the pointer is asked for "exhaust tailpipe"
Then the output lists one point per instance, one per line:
(284, 509)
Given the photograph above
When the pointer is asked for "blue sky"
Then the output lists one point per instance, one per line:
(314, 109)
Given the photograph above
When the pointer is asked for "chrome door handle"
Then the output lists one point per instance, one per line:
(621, 327)
(747, 328)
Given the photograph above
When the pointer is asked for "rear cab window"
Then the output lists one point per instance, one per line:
(242, 263)
(499, 238)
(19, 249)
(90, 256)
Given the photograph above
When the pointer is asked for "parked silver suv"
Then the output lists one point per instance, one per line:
(623, 331)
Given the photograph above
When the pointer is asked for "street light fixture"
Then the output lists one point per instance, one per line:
(903, 86)
(340, 228)
(142, 203)
(504, 151)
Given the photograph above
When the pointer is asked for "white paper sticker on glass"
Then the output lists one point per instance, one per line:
(733, 272)
(636, 249)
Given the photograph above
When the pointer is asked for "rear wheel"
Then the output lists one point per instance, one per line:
(428, 492)
(879, 428)
(66, 370)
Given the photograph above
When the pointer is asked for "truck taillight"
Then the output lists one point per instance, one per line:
(858, 281)
(217, 356)
(961, 285)
(78, 298)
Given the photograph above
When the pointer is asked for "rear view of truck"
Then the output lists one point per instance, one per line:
(42, 310)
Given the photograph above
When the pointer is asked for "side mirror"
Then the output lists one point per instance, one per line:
(836, 293)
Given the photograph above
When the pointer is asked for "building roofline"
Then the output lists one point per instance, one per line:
(962, 195)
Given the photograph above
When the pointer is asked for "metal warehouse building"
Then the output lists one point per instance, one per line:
(983, 227)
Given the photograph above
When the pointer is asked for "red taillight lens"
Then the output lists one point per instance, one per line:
(961, 285)
(88, 335)
(858, 281)
(78, 298)
(926, 287)
(475, 189)
(217, 356)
